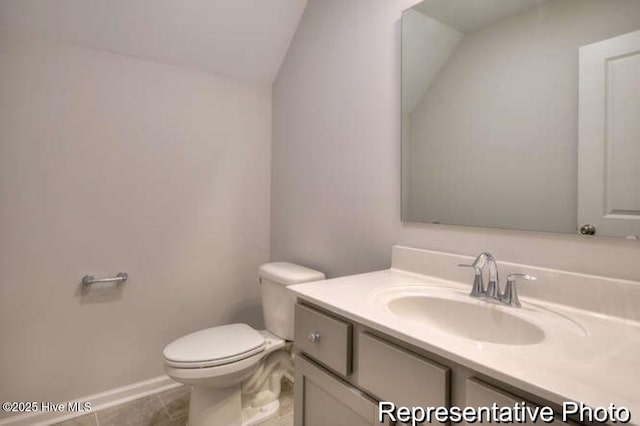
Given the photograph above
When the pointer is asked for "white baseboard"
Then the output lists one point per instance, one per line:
(98, 401)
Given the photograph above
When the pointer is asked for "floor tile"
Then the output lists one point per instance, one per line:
(176, 422)
(286, 399)
(170, 408)
(86, 420)
(177, 401)
(286, 420)
(148, 411)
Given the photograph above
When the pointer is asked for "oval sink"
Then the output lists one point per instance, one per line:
(481, 321)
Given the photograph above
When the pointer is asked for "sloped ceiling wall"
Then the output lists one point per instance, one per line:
(240, 39)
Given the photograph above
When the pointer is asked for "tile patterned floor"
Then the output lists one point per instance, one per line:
(169, 408)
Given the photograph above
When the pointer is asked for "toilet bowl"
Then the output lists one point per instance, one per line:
(234, 370)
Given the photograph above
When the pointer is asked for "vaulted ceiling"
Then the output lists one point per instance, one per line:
(469, 15)
(241, 39)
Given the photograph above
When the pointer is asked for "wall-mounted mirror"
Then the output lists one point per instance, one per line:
(522, 114)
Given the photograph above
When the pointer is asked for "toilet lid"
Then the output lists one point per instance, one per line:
(214, 346)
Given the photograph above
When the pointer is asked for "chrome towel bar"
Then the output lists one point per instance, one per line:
(90, 279)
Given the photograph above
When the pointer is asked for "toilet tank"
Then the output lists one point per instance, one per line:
(277, 302)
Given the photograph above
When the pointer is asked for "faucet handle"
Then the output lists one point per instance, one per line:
(478, 286)
(510, 296)
(477, 269)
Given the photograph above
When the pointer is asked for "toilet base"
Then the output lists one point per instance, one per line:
(221, 407)
(242, 393)
(254, 416)
(209, 406)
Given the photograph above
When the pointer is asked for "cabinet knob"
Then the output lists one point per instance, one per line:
(314, 336)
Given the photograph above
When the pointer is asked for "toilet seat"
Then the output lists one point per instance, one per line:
(214, 347)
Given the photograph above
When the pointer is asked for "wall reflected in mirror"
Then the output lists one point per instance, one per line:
(522, 114)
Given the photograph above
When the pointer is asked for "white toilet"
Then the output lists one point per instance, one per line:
(234, 369)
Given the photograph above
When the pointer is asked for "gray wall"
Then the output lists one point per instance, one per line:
(111, 163)
(336, 158)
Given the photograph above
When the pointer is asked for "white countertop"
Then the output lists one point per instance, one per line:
(598, 365)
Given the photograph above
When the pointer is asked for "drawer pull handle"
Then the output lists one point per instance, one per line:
(314, 336)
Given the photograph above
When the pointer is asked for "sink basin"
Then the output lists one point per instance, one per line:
(450, 311)
(484, 322)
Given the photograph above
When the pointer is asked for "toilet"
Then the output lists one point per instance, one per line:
(235, 371)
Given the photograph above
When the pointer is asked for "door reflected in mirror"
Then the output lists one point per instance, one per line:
(522, 114)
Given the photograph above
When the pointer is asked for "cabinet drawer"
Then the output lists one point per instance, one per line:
(479, 394)
(324, 338)
(399, 376)
(322, 399)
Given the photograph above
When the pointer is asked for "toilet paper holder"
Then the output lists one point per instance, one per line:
(88, 279)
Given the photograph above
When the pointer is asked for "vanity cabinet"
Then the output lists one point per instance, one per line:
(479, 394)
(392, 373)
(323, 399)
(323, 337)
(343, 369)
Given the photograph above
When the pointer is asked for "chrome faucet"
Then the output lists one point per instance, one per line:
(510, 296)
(477, 290)
(478, 265)
(493, 288)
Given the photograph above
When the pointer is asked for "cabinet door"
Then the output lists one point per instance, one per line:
(479, 394)
(322, 399)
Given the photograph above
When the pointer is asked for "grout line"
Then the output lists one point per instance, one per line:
(277, 417)
(165, 407)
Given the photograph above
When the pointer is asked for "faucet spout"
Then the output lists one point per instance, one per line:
(478, 265)
(493, 288)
